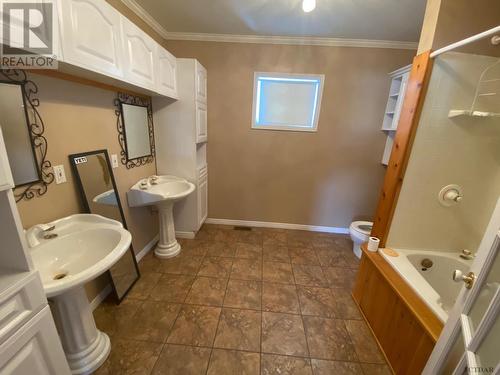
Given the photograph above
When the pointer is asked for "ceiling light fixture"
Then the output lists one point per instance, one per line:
(308, 5)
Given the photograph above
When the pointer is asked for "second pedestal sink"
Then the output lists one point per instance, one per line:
(68, 253)
(162, 192)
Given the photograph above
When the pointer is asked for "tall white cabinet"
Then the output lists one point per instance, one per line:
(29, 343)
(399, 79)
(181, 136)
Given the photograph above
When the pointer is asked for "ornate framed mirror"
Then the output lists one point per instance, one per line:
(23, 132)
(135, 130)
(99, 195)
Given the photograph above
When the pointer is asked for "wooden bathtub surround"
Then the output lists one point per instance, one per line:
(408, 122)
(405, 328)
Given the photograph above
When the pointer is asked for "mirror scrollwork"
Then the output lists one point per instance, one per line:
(23, 131)
(135, 130)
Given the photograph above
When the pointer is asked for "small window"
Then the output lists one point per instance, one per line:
(287, 101)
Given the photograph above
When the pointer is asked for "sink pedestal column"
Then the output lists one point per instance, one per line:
(86, 347)
(168, 246)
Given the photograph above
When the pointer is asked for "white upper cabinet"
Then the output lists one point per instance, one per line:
(201, 83)
(91, 36)
(140, 55)
(167, 73)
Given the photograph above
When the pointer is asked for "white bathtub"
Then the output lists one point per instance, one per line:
(435, 284)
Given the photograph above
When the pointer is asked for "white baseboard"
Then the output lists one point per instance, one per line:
(146, 249)
(108, 289)
(100, 297)
(267, 224)
(188, 235)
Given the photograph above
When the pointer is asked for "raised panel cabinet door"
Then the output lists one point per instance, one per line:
(34, 349)
(140, 55)
(201, 83)
(201, 123)
(91, 36)
(167, 73)
(202, 201)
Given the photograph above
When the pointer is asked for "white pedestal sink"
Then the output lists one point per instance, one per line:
(85, 247)
(162, 192)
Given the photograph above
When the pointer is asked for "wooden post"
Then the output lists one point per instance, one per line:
(408, 122)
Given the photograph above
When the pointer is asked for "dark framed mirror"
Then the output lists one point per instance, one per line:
(99, 195)
(135, 130)
(23, 132)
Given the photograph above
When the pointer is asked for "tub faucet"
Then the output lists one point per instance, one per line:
(153, 180)
(466, 254)
(33, 234)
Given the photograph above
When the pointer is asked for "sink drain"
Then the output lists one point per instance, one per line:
(60, 276)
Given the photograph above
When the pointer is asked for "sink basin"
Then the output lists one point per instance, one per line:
(85, 247)
(108, 198)
(162, 192)
(166, 189)
(68, 253)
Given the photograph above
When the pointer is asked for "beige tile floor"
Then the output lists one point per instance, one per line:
(243, 302)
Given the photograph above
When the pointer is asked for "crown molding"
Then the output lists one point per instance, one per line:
(264, 39)
(146, 17)
(292, 40)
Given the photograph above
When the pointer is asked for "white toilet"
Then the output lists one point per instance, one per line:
(360, 232)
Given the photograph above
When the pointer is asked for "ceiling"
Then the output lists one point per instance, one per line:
(394, 20)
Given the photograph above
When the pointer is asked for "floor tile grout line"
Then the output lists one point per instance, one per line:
(305, 334)
(261, 309)
(179, 313)
(264, 352)
(217, 327)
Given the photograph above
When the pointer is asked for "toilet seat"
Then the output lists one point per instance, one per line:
(362, 227)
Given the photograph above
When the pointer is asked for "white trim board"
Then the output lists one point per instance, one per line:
(188, 235)
(267, 224)
(100, 297)
(291, 40)
(264, 39)
(146, 249)
(108, 289)
(146, 17)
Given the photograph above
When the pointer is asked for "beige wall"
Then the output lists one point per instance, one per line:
(325, 178)
(463, 151)
(448, 21)
(81, 118)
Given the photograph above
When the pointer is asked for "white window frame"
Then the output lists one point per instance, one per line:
(314, 128)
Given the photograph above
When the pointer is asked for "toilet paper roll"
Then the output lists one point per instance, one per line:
(373, 244)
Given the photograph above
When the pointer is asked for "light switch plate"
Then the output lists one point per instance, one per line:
(59, 174)
(114, 160)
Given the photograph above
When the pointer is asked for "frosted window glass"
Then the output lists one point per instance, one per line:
(286, 102)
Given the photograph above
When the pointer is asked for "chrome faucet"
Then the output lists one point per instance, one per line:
(466, 254)
(33, 234)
